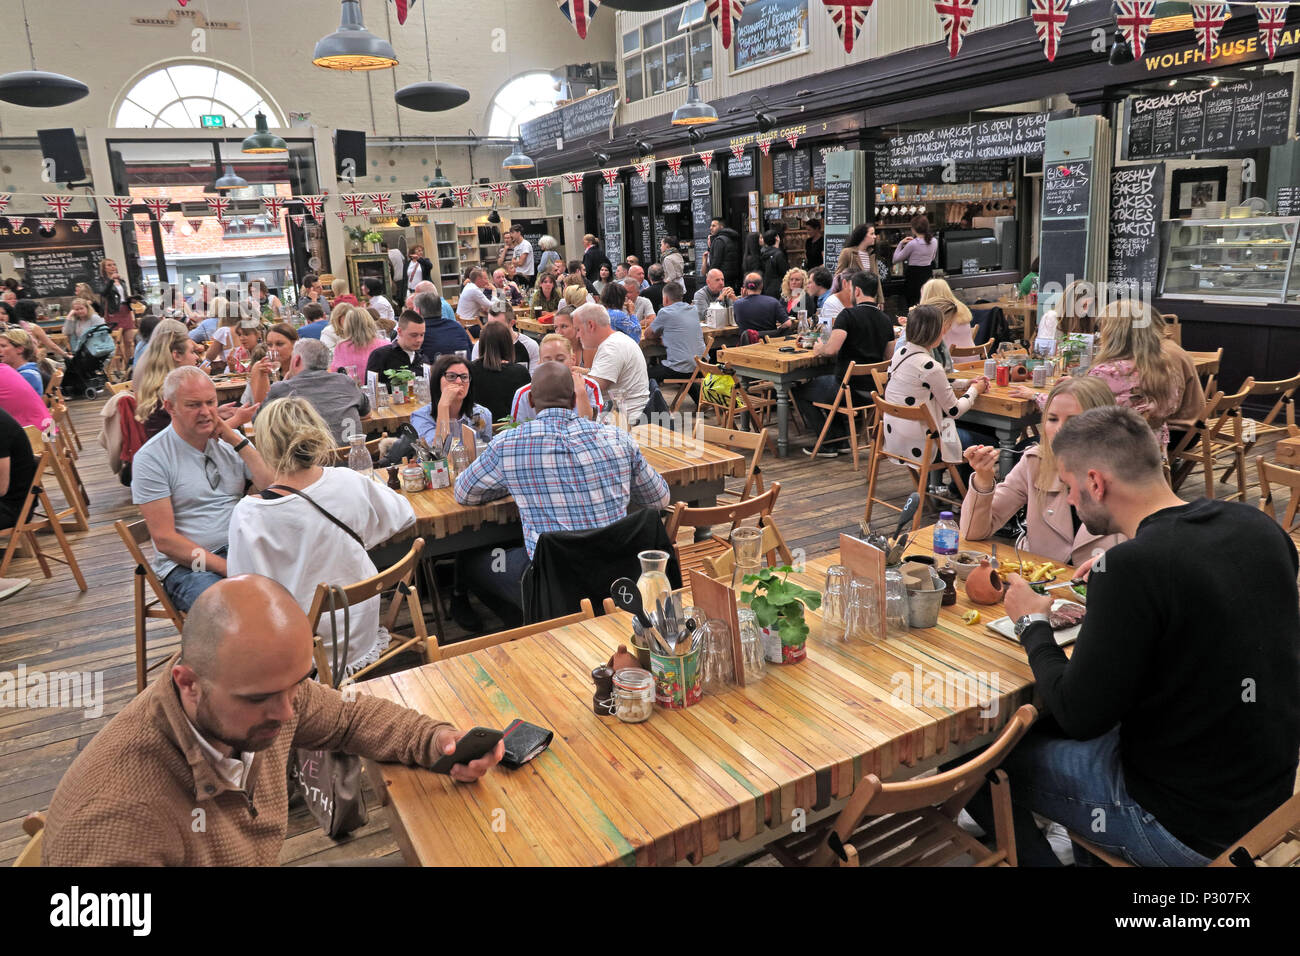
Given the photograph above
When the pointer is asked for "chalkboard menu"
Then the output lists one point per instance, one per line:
(640, 191)
(701, 182)
(613, 222)
(661, 228)
(589, 116)
(770, 29)
(1246, 114)
(741, 167)
(839, 205)
(818, 169)
(1063, 251)
(701, 247)
(540, 134)
(990, 139)
(831, 249)
(674, 187)
(1065, 189)
(982, 171)
(1288, 201)
(791, 172)
(1136, 195)
(533, 230)
(56, 272)
(647, 253)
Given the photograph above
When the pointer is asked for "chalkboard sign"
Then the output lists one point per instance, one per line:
(982, 171)
(661, 229)
(56, 272)
(1136, 194)
(831, 249)
(770, 29)
(540, 134)
(1288, 201)
(674, 187)
(589, 116)
(839, 206)
(818, 169)
(701, 248)
(1063, 251)
(701, 217)
(1065, 189)
(990, 139)
(69, 233)
(613, 221)
(741, 167)
(800, 170)
(701, 183)
(640, 191)
(781, 173)
(1242, 115)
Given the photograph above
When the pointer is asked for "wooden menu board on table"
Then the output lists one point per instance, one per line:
(718, 602)
(867, 562)
(467, 439)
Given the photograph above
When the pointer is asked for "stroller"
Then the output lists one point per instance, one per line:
(84, 373)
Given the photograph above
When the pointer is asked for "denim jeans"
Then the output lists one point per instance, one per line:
(494, 575)
(184, 586)
(1079, 784)
(821, 389)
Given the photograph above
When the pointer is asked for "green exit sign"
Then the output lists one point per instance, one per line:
(210, 120)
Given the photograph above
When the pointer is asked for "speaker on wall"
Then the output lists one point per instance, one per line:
(60, 146)
(350, 152)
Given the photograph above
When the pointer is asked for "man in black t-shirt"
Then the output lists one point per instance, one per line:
(862, 334)
(17, 465)
(1174, 727)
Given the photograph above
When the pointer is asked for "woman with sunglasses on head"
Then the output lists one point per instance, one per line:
(450, 407)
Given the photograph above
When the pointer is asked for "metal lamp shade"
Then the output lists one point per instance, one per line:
(694, 112)
(230, 180)
(439, 181)
(263, 141)
(517, 160)
(40, 89)
(352, 46)
(431, 97)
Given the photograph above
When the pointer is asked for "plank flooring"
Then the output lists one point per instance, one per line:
(52, 626)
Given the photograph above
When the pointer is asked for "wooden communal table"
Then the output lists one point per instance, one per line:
(706, 784)
(534, 329)
(727, 335)
(1287, 452)
(230, 389)
(389, 418)
(695, 472)
(766, 362)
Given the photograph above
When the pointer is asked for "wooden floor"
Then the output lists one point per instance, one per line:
(52, 626)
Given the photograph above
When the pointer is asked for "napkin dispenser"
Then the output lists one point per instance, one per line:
(719, 316)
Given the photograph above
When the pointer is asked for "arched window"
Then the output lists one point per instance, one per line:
(525, 97)
(178, 95)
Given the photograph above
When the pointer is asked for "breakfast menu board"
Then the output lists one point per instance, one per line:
(1245, 114)
(791, 171)
(1065, 189)
(1136, 195)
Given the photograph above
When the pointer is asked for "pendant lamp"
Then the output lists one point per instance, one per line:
(263, 141)
(37, 88)
(352, 46)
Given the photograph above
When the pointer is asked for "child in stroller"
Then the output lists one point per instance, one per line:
(84, 373)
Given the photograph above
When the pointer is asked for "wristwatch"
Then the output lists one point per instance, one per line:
(241, 445)
(1025, 620)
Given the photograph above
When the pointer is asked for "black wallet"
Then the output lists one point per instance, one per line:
(524, 741)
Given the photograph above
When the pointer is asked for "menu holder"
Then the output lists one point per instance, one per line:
(867, 562)
(467, 439)
(718, 602)
(372, 388)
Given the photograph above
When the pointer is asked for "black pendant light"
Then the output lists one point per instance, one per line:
(430, 96)
(38, 88)
(264, 141)
(352, 46)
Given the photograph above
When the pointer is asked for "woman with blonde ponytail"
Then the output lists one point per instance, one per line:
(169, 347)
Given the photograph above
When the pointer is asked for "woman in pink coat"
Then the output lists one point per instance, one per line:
(1052, 530)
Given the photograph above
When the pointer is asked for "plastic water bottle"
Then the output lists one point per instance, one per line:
(457, 459)
(946, 534)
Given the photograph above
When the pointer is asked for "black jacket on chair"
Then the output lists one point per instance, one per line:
(571, 565)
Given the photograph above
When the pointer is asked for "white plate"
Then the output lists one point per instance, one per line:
(1005, 627)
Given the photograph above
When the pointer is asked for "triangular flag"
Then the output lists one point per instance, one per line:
(484, 197)
(793, 140)
(706, 158)
(315, 206)
(739, 153)
(765, 146)
(955, 16)
(168, 226)
(643, 170)
(383, 202)
(426, 197)
(357, 203)
(4, 201)
(610, 175)
(675, 164)
(298, 221)
(848, 17)
(120, 205)
(219, 206)
(1207, 20)
(1134, 19)
(196, 224)
(113, 226)
(143, 225)
(274, 206)
(574, 180)
(58, 204)
(1049, 22)
(726, 15)
(1271, 18)
(579, 13)
(403, 8)
(538, 186)
(158, 205)
(500, 190)
(49, 224)
(461, 195)
(16, 222)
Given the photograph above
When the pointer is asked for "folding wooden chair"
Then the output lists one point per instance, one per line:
(1216, 433)
(30, 521)
(970, 351)
(686, 384)
(76, 516)
(400, 577)
(725, 411)
(160, 607)
(914, 822)
(505, 637)
(1173, 330)
(735, 440)
(774, 548)
(34, 827)
(692, 555)
(1209, 372)
(923, 469)
(844, 404)
(1270, 474)
(58, 407)
(116, 388)
(1284, 405)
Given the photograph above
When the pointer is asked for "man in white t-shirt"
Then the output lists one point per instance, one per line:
(619, 367)
(473, 302)
(522, 253)
(828, 305)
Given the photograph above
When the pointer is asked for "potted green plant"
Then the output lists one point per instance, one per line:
(778, 607)
(399, 380)
(374, 238)
(357, 235)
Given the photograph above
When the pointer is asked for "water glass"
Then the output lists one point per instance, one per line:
(860, 620)
(381, 396)
(717, 668)
(751, 645)
(747, 551)
(834, 602)
(895, 602)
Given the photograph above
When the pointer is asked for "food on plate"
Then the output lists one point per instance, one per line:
(1033, 571)
(1080, 589)
(1067, 615)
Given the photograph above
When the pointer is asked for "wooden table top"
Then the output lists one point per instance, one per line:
(1287, 452)
(230, 386)
(681, 463)
(388, 419)
(768, 357)
(680, 784)
(533, 326)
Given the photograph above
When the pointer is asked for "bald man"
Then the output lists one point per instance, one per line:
(193, 771)
(715, 289)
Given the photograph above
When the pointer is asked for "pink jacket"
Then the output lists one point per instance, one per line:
(1050, 531)
(345, 354)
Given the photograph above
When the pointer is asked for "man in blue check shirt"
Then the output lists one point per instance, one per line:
(565, 472)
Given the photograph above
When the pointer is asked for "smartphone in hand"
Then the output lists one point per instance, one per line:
(476, 743)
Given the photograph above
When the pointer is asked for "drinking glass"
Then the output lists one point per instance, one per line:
(834, 602)
(751, 645)
(860, 620)
(895, 602)
(747, 549)
(717, 668)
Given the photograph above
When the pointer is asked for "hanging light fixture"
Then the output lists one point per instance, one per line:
(230, 180)
(264, 141)
(352, 46)
(439, 181)
(694, 112)
(430, 97)
(517, 159)
(36, 87)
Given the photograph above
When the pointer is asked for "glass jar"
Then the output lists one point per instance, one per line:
(457, 460)
(717, 668)
(751, 645)
(895, 601)
(359, 456)
(412, 477)
(653, 582)
(634, 695)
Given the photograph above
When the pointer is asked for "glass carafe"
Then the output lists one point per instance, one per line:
(751, 645)
(359, 456)
(653, 582)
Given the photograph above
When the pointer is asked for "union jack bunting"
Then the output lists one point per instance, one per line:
(114, 226)
(579, 13)
(765, 146)
(298, 221)
(848, 17)
(58, 204)
(4, 201)
(315, 206)
(403, 8)
(158, 205)
(16, 222)
(426, 197)
(675, 164)
(537, 186)
(499, 190)
(1207, 20)
(249, 221)
(1049, 21)
(49, 224)
(219, 206)
(1134, 19)
(274, 206)
(643, 170)
(955, 16)
(121, 205)
(610, 175)
(356, 203)
(574, 180)
(196, 224)
(726, 15)
(168, 226)
(143, 225)
(383, 202)
(738, 152)
(461, 195)
(793, 140)
(342, 215)
(484, 197)
(1271, 18)
(707, 158)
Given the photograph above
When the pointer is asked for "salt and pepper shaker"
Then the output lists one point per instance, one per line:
(603, 701)
(949, 577)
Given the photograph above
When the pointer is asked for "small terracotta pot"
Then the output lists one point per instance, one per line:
(1019, 374)
(984, 585)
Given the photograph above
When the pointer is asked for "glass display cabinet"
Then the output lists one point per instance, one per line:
(1249, 261)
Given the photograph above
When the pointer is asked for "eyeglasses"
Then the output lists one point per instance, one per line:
(212, 472)
(456, 376)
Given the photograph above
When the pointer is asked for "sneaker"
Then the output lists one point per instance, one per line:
(463, 613)
(11, 586)
(824, 453)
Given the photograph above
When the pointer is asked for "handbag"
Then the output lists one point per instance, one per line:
(330, 781)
